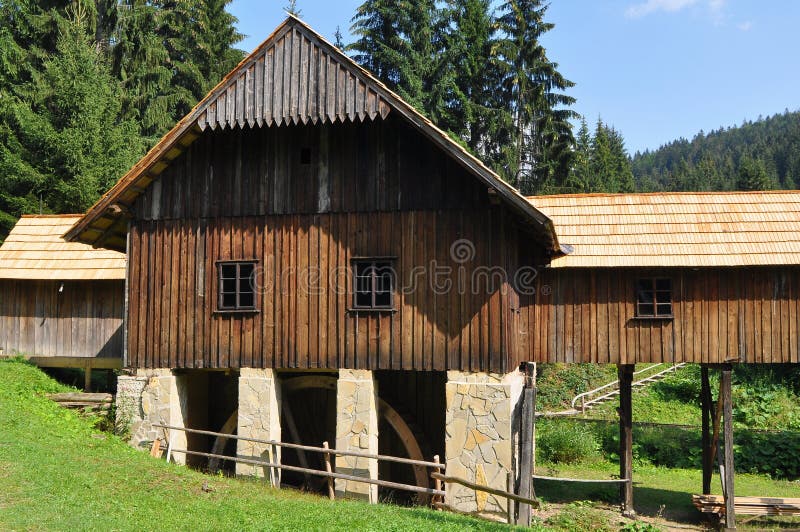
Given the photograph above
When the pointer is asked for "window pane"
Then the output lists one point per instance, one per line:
(644, 284)
(383, 299)
(246, 300)
(645, 296)
(228, 301)
(664, 309)
(246, 285)
(228, 271)
(228, 286)
(645, 309)
(363, 299)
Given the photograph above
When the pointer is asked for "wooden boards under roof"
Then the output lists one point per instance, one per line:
(35, 250)
(678, 229)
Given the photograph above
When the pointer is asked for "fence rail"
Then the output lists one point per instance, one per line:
(325, 450)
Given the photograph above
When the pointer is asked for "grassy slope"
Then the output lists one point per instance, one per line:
(57, 472)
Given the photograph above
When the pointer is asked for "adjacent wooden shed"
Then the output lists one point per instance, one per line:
(724, 268)
(61, 303)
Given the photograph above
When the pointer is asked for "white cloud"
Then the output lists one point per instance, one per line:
(651, 6)
(745, 26)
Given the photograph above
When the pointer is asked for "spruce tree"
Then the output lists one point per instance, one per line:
(541, 135)
(395, 42)
(753, 175)
(476, 107)
(60, 148)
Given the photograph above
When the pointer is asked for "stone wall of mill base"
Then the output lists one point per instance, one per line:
(481, 435)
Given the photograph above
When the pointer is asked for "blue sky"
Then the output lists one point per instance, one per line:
(655, 69)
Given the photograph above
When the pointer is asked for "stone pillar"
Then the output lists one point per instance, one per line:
(148, 397)
(357, 430)
(480, 436)
(259, 417)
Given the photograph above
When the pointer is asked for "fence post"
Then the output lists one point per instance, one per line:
(509, 502)
(437, 484)
(329, 469)
(169, 447)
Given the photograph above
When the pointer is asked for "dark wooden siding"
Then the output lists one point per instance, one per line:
(294, 78)
(579, 315)
(172, 322)
(373, 166)
(84, 320)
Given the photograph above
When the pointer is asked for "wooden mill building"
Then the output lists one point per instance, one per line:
(311, 259)
(61, 303)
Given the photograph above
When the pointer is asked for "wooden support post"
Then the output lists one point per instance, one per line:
(526, 446)
(625, 375)
(87, 379)
(437, 483)
(329, 469)
(705, 408)
(727, 407)
(509, 502)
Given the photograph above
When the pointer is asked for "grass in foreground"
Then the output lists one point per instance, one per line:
(58, 473)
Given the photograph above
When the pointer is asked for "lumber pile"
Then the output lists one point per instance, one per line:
(82, 400)
(715, 504)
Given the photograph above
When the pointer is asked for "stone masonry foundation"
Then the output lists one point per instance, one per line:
(259, 417)
(480, 436)
(357, 430)
(152, 396)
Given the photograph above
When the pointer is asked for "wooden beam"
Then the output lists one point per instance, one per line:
(727, 406)
(75, 362)
(526, 446)
(625, 375)
(705, 409)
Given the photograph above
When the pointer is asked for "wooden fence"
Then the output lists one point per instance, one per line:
(325, 450)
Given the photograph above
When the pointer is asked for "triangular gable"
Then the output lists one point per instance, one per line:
(294, 76)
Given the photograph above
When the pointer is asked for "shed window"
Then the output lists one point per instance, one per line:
(654, 298)
(237, 286)
(373, 284)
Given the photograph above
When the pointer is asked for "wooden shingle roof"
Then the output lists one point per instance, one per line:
(35, 249)
(676, 229)
(294, 76)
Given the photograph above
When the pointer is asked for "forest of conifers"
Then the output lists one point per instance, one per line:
(87, 86)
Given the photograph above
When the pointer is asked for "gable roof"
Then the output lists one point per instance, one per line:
(34, 249)
(294, 76)
(690, 229)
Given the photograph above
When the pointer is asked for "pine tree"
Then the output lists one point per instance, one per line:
(541, 134)
(140, 62)
(753, 175)
(469, 54)
(580, 176)
(66, 143)
(200, 38)
(395, 43)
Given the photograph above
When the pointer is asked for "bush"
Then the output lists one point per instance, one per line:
(565, 443)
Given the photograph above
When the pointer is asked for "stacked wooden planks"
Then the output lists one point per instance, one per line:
(715, 504)
(84, 401)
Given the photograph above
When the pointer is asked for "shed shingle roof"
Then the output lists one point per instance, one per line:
(698, 229)
(35, 249)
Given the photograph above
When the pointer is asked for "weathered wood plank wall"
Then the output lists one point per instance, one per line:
(372, 166)
(583, 315)
(84, 320)
(303, 318)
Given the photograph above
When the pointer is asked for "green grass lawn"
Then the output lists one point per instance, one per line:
(58, 473)
(661, 493)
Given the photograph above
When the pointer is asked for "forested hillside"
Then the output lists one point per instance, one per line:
(759, 155)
